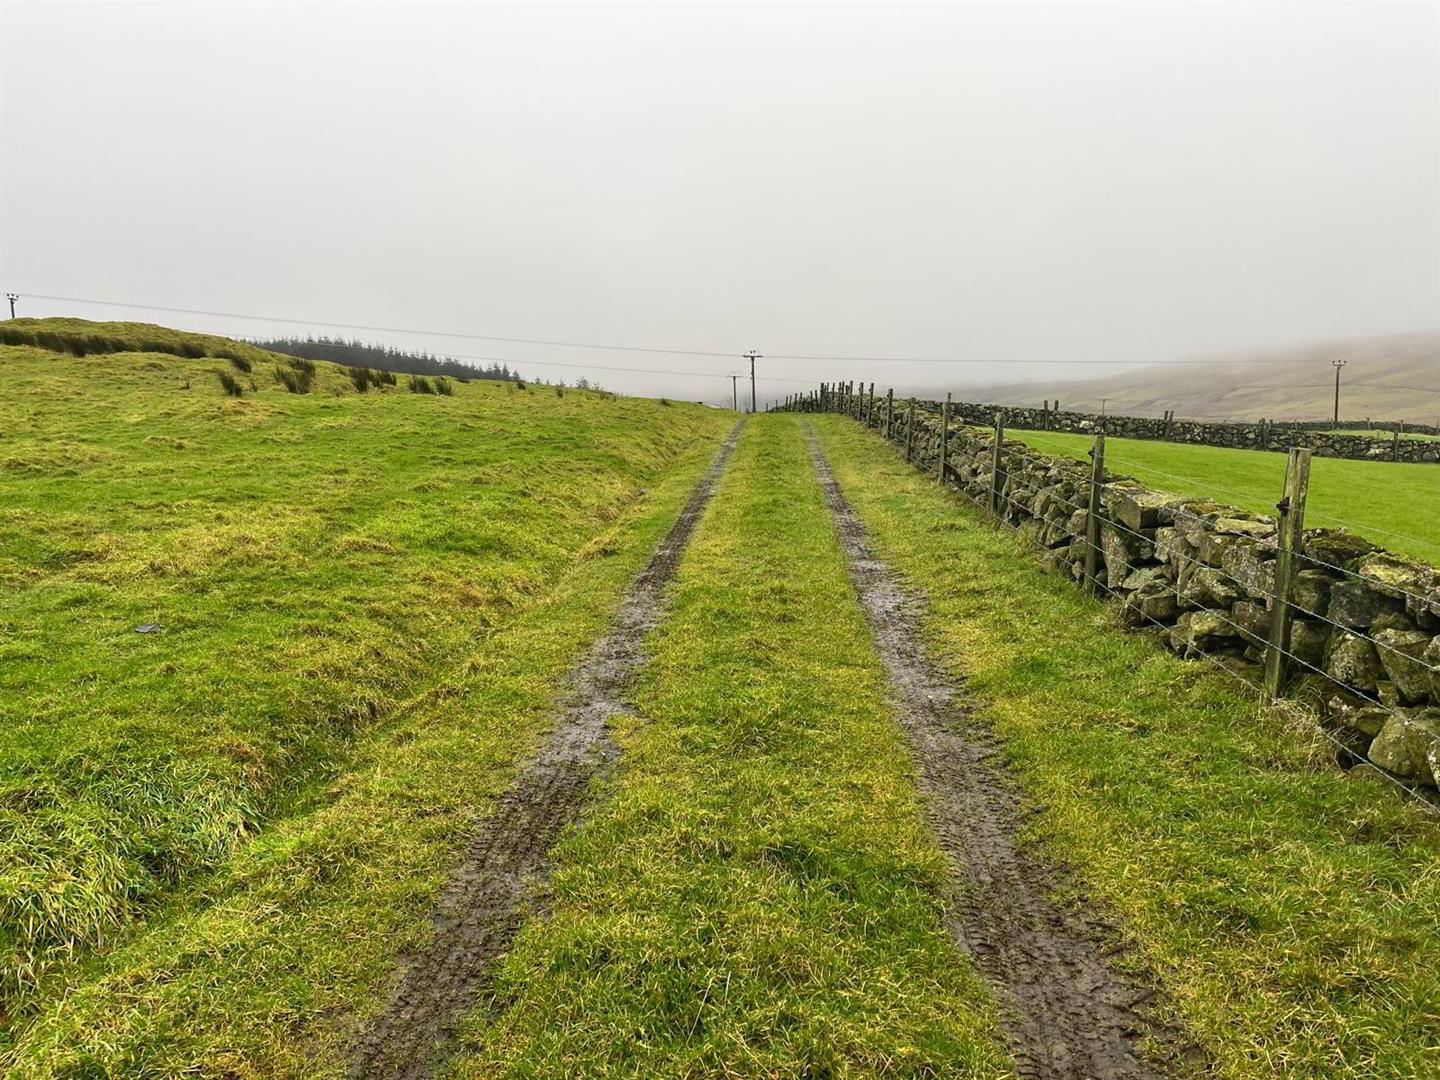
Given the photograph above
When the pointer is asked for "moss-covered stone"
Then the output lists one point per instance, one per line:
(1406, 744)
(1351, 659)
(1402, 654)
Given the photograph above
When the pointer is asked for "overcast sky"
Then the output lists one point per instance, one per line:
(1001, 182)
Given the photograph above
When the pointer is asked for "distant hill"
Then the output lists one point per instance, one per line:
(1388, 378)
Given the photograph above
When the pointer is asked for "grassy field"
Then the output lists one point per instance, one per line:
(320, 565)
(1289, 911)
(1395, 505)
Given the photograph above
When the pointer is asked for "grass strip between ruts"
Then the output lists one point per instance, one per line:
(755, 893)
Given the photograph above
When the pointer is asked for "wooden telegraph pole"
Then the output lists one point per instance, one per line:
(752, 356)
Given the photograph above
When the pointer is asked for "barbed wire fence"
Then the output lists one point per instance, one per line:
(927, 438)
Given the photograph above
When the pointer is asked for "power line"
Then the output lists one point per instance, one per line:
(382, 329)
(639, 348)
(449, 355)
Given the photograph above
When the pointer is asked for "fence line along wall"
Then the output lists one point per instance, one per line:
(1354, 633)
(1265, 435)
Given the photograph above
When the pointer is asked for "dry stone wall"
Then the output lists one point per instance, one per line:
(1265, 435)
(1365, 641)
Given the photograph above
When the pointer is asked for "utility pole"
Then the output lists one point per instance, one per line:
(734, 394)
(12, 297)
(1339, 363)
(752, 356)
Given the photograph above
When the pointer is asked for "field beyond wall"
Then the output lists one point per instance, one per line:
(1395, 505)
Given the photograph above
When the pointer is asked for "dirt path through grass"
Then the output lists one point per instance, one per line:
(1072, 1015)
(480, 911)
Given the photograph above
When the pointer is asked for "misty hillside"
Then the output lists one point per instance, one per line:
(1390, 378)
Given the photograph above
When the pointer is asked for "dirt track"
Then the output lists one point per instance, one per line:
(1071, 1015)
(481, 909)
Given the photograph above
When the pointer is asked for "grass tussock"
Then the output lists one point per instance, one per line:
(1288, 910)
(755, 894)
(232, 386)
(296, 380)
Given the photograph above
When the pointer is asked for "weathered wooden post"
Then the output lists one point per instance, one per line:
(1169, 423)
(889, 410)
(944, 439)
(1395, 443)
(995, 454)
(870, 413)
(910, 429)
(1292, 530)
(1092, 514)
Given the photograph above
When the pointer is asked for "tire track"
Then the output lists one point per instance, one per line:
(1071, 1014)
(481, 909)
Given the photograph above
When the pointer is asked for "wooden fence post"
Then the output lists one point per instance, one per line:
(870, 414)
(1395, 446)
(995, 453)
(889, 410)
(1092, 513)
(944, 439)
(1292, 529)
(909, 429)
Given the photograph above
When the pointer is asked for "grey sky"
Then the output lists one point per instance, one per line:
(1001, 182)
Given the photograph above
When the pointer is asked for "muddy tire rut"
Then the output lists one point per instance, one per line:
(491, 891)
(1070, 1014)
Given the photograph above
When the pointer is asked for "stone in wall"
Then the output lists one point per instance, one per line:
(1406, 745)
(1352, 661)
(1402, 655)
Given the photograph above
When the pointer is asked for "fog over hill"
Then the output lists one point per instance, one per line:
(1396, 377)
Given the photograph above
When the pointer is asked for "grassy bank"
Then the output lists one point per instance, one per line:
(1288, 910)
(1395, 505)
(262, 969)
(755, 894)
(312, 561)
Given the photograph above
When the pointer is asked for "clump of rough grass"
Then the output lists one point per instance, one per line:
(420, 385)
(240, 363)
(362, 378)
(297, 381)
(443, 386)
(230, 384)
(384, 376)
